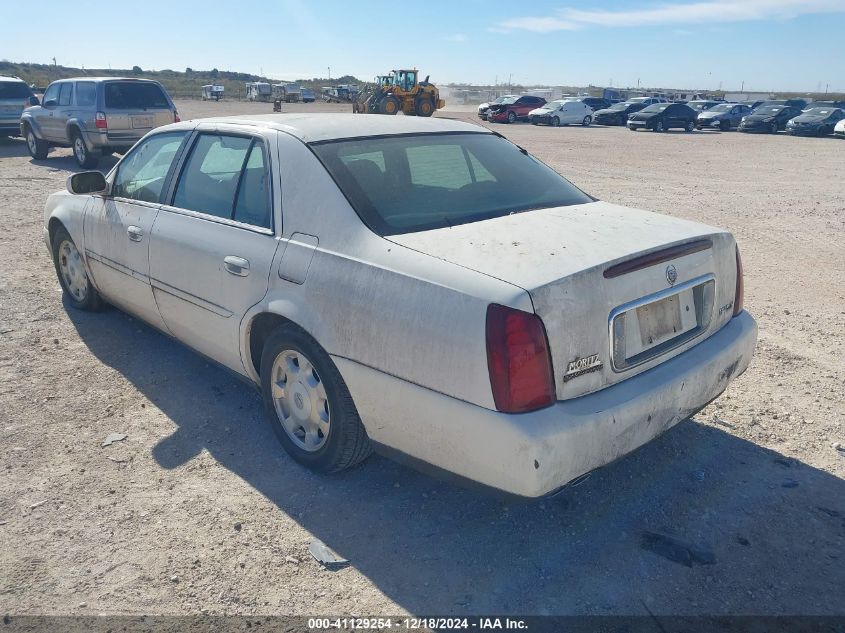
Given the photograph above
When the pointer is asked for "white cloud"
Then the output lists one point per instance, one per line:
(457, 37)
(711, 11)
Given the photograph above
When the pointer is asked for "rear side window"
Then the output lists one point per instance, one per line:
(128, 95)
(227, 177)
(85, 93)
(142, 173)
(14, 90)
(66, 94)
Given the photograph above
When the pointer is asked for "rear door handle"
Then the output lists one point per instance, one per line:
(236, 265)
(135, 233)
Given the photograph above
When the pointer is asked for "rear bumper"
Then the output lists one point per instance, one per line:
(537, 453)
(98, 139)
(10, 128)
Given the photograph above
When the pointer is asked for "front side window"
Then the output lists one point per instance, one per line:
(66, 94)
(52, 93)
(227, 177)
(85, 93)
(413, 183)
(141, 175)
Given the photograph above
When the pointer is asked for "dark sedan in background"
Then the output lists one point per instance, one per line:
(660, 117)
(722, 116)
(769, 118)
(596, 103)
(815, 122)
(618, 113)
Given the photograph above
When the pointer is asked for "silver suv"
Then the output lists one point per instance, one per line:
(15, 95)
(95, 116)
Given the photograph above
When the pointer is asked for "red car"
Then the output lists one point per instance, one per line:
(514, 108)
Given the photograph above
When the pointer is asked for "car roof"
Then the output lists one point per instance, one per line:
(311, 127)
(103, 79)
(4, 78)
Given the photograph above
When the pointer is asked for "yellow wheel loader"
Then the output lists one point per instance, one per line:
(397, 91)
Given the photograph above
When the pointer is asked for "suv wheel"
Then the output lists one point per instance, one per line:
(587, 120)
(85, 159)
(37, 148)
(308, 404)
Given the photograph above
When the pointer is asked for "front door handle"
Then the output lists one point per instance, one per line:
(135, 233)
(236, 265)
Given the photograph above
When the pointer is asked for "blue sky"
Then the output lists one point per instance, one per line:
(768, 44)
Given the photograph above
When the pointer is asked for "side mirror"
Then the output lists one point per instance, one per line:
(33, 101)
(87, 182)
(51, 103)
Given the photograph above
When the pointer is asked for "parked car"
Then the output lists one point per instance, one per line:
(95, 116)
(618, 113)
(484, 107)
(660, 117)
(596, 103)
(768, 118)
(15, 95)
(815, 122)
(308, 95)
(581, 331)
(839, 130)
(825, 104)
(793, 103)
(724, 116)
(562, 112)
(648, 100)
(513, 109)
(701, 105)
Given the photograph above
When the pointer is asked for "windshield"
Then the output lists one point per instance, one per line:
(553, 105)
(655, 107)
(14, 90)
(417, 182)
(506, 100)
(774, 109)
(698, 105)
(722, 107)
(134, 94)
(622, 106)
(818, 111)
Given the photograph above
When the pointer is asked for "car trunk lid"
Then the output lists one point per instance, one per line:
(619, 290)
(133, 108)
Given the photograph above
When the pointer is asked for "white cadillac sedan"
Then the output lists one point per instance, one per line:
(422, 287)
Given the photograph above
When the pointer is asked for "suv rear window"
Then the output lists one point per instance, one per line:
(409, 183)
(14, 90)
(134, 94)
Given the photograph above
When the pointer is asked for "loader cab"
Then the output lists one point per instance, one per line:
(405, 79)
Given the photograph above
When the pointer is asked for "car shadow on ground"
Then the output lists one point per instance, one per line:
(774, 526)
(59, 159)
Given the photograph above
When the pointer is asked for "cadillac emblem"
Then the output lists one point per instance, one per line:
(671, 274)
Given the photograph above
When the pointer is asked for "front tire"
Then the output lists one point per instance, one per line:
(424, 107)
(37, 148)
(658, 127)
(725, 126)
(84, 158)
(555, 121)
(774, 127)
(689, 126)
(73, 277)
(308, 404)
(511, 117)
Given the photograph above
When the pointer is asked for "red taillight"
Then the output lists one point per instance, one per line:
(100, 121)
(518, 360)
(739, 294)
(176, 118)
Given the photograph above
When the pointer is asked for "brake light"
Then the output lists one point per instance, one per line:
(176, 118)
(100, 121)
(518, 360)
(739, 294)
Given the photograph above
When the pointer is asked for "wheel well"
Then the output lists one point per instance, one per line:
(260, 329)
(53, 226)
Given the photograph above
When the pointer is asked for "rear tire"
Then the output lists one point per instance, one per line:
(73, 277)
(658, 127)
(555, 121)
(300, 383)
(84, 157)
(725, 126)
(774, 127)
(689, 126)
(37, 148)
(388, 105)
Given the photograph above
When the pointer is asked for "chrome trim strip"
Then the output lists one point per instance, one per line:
(193, 299)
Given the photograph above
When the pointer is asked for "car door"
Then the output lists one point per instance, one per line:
(44, 116)
(63, 112)
(117, 227)
(213, 244)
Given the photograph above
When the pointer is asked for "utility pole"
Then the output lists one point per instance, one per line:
(330, 72)
(743, 86)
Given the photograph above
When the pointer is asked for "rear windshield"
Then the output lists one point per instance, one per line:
(134, 94)
(14, 90)
(656, 107)
(409, 183)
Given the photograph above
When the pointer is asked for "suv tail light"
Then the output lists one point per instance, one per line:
(739, 294)
(518, 360)
(100, 121)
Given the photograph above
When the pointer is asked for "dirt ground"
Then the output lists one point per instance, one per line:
(200, 510)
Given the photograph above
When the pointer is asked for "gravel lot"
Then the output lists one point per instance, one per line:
(199, 508)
